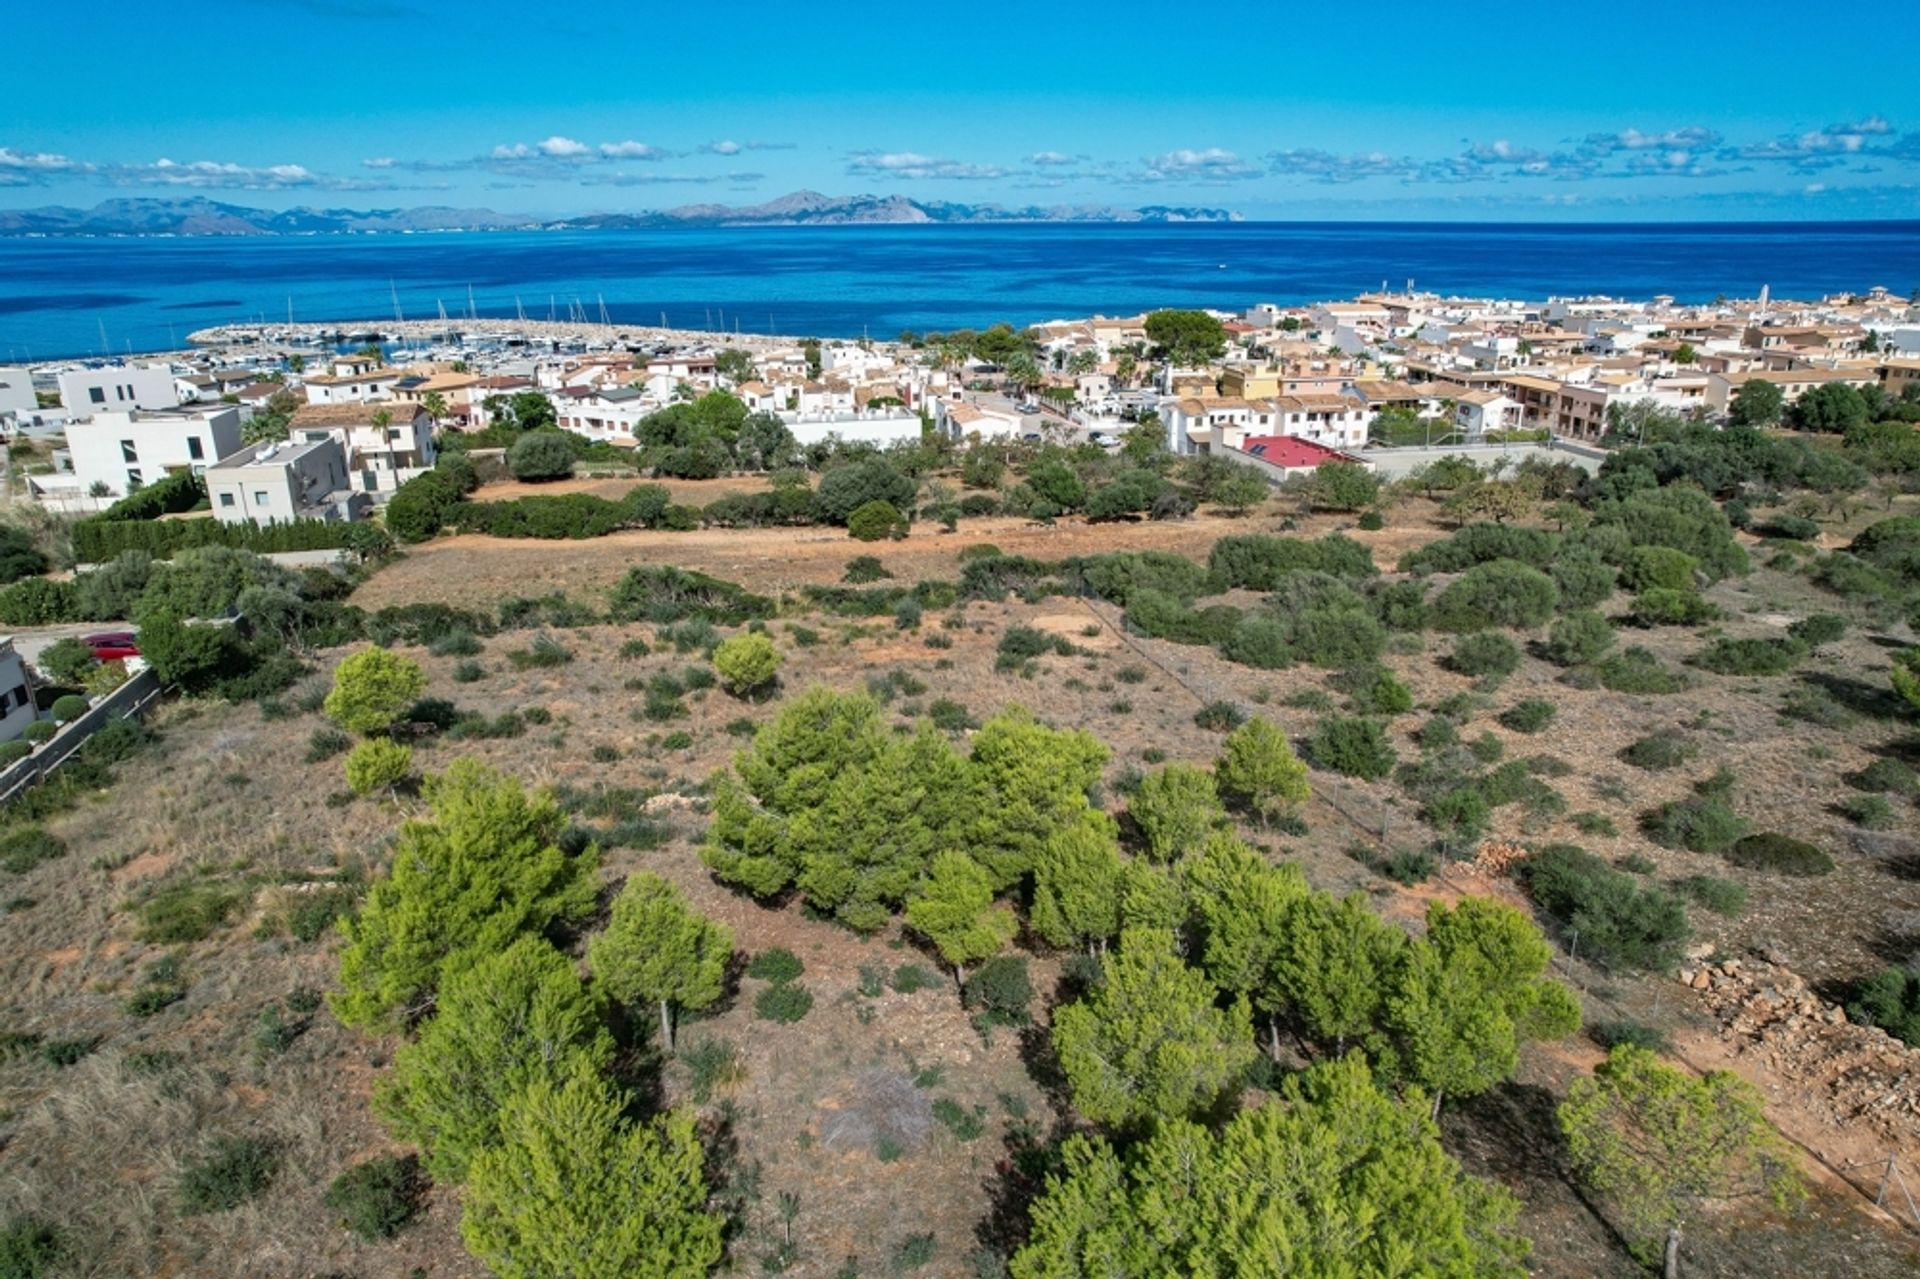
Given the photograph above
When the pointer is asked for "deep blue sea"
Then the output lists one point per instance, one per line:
(58, 295)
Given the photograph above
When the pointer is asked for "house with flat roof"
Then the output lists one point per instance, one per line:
(114, 454)
(280, 481)
(118, 388)
(385, 443)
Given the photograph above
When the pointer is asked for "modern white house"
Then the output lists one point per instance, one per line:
(1478, 412)
(960, 419)
(353, 388)
(118, 388)
(124, 451)
(16, 692)
(381, 454)
(869, 426)
(16, 393)
(277, 482)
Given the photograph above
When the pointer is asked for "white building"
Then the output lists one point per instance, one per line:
(278, 482)
(16, 393)
(1478, 412)
(118, 388)
(879, 427)
(381, 455)
(16, 692)
(122, 452)
(960, 419)
(353, 388)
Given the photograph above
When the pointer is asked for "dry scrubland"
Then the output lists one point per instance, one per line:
(229, 802)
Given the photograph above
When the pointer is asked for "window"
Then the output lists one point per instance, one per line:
(262, 498)
(133, 480)
(128, 453)
(193, 448)
(97, 394)
(226, 499)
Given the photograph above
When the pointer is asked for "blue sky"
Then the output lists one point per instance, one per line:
(1624, 112)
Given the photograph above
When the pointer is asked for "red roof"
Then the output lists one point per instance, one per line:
(1290, 451)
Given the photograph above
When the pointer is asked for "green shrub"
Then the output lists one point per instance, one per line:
(1699, 823)
(541, 455)
(313, 913)
(186, 912)
(1658, 752)
(234, 1171)
(1796, 528)
(1578, 638)
(1020, 644)
(1501, 593)
(1663, 606)
(1871, 812)
(1636, 670)
(1886, 776)
(1611, 1034)
(1484, 655)
(1219, 717)
(378, 764)
(1530, 715)
(1726, 897)
(24, 847)
(29, 1248)
(1617, 919)
(876, 521)
(1658, 566)
(1000, 990)
(661, 593)
(1594, 824)
(1375, 690)
(782, 1003)
(747, 663)
(908, 978)
(1351, 746)
(1259, 642)
(1751, 656)
(544, 652)
(1781, 854)
(377, 1198)
(1819, 629)
(14, 752)
(1890, 999)
(778, 965)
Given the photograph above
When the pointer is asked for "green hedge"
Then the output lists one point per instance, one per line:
(176, 493)
(96, 541)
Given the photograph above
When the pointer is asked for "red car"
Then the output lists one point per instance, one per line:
(112, 646)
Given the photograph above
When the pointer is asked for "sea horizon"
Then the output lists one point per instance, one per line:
(878, 279)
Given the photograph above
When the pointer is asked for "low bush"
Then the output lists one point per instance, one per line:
(1636, 670)
(1769, 656)
(1870, 812)
(1886, 776)
(1699, 823)
(1658, 752)
(1617, 919)
(377, 1198)
(1000, 991)
(1795, 528)
(1375, 690)
(1727, 897)
(1664, 606)
(1219, 717)
(186, 912)
(24, 847)
(1021, 644)
(544, 652)
(1528, 716)
(1501, 593)
(378, 764)
(234, 1171)
(1611, 1034)
(1819, 629)
(777, 965)
(908, 978)
(876, 521)
(1781, 854)
(1351, 746)
(1484, 655)
(30, 1248)
(1578, 638)
(748, 664)
(782, 1003)
(1890, 999)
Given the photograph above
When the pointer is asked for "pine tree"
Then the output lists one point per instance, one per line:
(576, 1190)
(1028, 782)
(1656, 1141)
(373, 689)
(1333, 1178)
(1332, 965)
(1258, 768)
(1241, 902)
(657, 948)
(1176, 807)
(1078, 879)
(509, 1019)
(483, 870)
(954, 910)
(1149, 1042)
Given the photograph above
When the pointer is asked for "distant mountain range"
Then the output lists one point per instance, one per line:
(802, 208)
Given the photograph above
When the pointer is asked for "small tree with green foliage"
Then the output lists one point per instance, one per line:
(511, 1018)
(659, 949)
(378, 764)
(1258, 768)
(1341, 486)
(954, 909)
(748, 664)
(1078, 882)
(483, 870)
(1149, 1042)
(1756, 403)
(1175, 807)
(1657, 1141)
(372, 689)
(541, 455)
(576, 1188)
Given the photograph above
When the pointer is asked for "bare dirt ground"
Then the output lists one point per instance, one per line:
(231, 799)
(472, 569)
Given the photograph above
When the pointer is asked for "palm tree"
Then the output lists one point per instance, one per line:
(435, 404)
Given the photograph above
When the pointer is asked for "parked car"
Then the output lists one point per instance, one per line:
(112, 646)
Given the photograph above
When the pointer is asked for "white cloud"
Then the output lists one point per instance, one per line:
(913, 165)
(1050, 159)
(1210, 164)
(379, 162)
(723, 147)
(630, 150)
(563, 148)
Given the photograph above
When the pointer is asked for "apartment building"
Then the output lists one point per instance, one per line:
(118, 388)
(385, 444)
(278, 482)
(116, 453)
